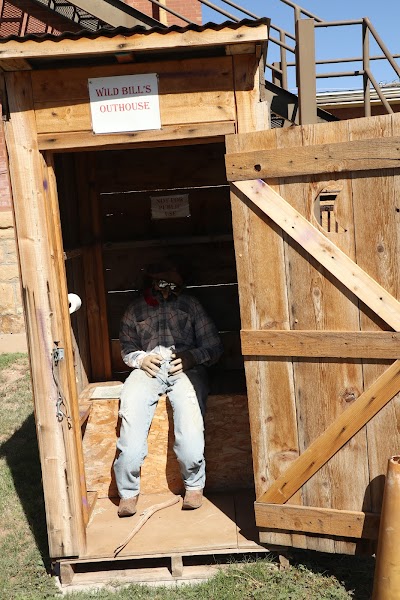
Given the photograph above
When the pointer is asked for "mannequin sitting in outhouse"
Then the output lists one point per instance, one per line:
(168, 340)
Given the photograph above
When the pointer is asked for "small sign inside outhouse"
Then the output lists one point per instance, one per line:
(173, 206)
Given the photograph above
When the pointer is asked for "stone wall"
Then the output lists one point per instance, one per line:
(11, 313)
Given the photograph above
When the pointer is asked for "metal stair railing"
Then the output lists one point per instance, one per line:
(100, 14)
(301, 45)
(307, 71)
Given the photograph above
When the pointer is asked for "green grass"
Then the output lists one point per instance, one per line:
(24, 560)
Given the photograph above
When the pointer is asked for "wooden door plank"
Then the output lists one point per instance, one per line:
(323, 250)
(255, 141)
(363, 155)
(323, 521)
(377, 224)
(273, 421)
(339, 344)
(324, 387)
(337, 434)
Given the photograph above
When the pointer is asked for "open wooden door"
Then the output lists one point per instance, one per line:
(317, 244)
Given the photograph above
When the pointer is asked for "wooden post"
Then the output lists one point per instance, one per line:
(64, 324)
(306, 78)
(251, 112)
(387, 572)
(44, 304)
(95, 294)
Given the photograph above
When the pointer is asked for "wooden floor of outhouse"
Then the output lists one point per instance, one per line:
(224, 523)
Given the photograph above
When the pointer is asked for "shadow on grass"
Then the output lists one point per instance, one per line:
(355, 573)
(22, 456)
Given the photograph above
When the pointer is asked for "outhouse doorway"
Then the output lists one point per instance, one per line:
(120, 210)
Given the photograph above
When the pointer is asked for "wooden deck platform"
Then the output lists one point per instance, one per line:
(223, 525)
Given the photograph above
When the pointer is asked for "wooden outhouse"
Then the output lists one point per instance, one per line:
(299, 270)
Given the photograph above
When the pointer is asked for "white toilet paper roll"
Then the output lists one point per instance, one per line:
(74, 303)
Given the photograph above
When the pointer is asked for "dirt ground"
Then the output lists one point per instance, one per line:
(12, 374)
(13, 342)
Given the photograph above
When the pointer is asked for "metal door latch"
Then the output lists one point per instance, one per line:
(57, 354)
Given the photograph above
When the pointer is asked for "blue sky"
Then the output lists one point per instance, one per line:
(334, 42)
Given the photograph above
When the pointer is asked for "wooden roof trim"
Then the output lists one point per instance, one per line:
(136, 42)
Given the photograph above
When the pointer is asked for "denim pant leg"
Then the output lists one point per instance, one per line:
(187, 392)
(139, 400)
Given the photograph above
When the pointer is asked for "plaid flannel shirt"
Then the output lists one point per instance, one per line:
(179, 322)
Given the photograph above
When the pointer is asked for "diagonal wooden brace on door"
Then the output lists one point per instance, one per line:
(335, 436)
(369, 292)
(323, 250)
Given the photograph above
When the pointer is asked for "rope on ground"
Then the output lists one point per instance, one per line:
(145, 516)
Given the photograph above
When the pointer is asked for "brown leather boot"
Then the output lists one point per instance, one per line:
(193, 499)
(127, 506)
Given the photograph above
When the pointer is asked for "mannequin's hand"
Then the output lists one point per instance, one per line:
(151, 364)
(181, 361)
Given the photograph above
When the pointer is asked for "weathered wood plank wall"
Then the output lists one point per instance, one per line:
(190, 91)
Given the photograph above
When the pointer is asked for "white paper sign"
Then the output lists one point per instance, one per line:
(170, 207)
(124, 103)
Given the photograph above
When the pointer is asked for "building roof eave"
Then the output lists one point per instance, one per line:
(87, 44)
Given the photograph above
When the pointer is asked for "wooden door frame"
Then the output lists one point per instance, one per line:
(38, 233)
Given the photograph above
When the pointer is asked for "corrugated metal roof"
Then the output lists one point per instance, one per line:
(111, 32)
(390, 91)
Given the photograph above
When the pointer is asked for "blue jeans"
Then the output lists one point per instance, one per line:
(187, 393)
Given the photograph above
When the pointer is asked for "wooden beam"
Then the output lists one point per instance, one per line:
(110, 13)
(357, 155)
(62, 315)
(321, 521)
(41, 294)
(335, 436)
(15, 64)
(339, 344)
(240, 49)
(136, 42)
(323, 250)
(87, 139)
(95, 293)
